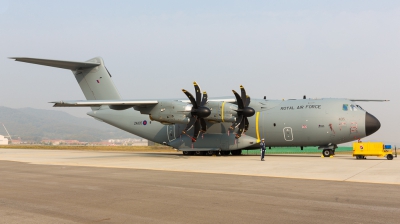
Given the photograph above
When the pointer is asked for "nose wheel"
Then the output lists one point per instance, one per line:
(327, 152)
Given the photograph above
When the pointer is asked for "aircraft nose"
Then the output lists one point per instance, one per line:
(372, 124)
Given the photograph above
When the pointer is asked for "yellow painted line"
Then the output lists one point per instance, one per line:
(222, 111)
(257, 129)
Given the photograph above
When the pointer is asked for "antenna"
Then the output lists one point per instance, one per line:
(7, 132)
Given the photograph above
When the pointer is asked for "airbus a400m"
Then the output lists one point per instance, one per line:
(202, 125)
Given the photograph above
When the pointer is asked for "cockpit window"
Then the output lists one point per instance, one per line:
(359, 107)
(353, 107)
(345, 107)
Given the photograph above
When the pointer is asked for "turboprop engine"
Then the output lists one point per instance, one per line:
(168, 112)
(221, 112)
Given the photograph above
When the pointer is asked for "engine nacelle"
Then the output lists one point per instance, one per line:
(221, 111)
(168, 112)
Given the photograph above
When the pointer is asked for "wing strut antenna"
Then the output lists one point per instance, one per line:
(7, 132)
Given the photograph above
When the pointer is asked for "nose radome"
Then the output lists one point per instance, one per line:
(372, 124)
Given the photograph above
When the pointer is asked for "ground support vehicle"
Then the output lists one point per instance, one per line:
(363, 149)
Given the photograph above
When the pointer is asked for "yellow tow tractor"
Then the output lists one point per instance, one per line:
(363, 149)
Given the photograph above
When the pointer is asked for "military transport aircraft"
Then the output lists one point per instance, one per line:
(208, 126)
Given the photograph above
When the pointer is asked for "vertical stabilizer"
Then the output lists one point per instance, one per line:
(96, 82)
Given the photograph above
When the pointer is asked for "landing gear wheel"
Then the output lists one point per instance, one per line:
(210, 153)
(327, 152)
(187, 153)
(389, 157)
(236, 152)
(225, 153)
(199, 153)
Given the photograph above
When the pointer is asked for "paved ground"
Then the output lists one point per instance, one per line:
(304, 166)
(78, 189)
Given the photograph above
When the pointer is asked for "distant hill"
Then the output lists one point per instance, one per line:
(36, 124)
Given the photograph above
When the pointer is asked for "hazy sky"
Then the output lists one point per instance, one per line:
(153, 49)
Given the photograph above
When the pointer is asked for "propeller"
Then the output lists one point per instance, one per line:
(198, 112)
(243, 112)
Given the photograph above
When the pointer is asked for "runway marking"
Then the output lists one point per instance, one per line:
(363, 171)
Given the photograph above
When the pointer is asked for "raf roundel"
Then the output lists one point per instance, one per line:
(144, 122)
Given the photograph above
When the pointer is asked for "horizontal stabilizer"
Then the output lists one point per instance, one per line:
(366, 100)
(98, 103)
(72, 65)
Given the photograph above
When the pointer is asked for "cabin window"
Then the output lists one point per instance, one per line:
(345, 107)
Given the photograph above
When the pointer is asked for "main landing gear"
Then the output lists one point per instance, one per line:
(210, 153)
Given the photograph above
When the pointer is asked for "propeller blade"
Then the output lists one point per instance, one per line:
(247, 101)
(238, 100)
(246, 124)
(243, 94)
(203, 125)
(204, 100)
(237, 122)
(196, 130)
(191, 98)
(190, 124)
(198, 93)
(241, 130)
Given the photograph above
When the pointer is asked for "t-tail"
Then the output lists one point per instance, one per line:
(92, 76)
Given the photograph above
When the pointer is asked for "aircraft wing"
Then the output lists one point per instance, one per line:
(366, 100)
(122, 103)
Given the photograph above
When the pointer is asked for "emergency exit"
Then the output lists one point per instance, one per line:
(288, 134)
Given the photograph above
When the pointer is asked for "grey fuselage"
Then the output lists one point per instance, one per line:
(302, 122)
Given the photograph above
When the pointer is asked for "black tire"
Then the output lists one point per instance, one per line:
(326, 152)
(210, 153)
(225, 153)
(199, 153)
(358, 157)
(236, 152)
(187, 153)
(389, 157)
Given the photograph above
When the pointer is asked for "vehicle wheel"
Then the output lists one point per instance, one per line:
(326, 152)
(225, 153)
(199, 153)
(210, 153)
(389, 157)
(358, 157)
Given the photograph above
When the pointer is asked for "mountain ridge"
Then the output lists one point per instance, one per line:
(32, 124)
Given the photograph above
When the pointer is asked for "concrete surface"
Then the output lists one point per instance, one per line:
(44, 186)
(309, 166)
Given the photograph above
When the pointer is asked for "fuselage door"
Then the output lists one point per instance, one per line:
(288, 134)
(171, 132)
